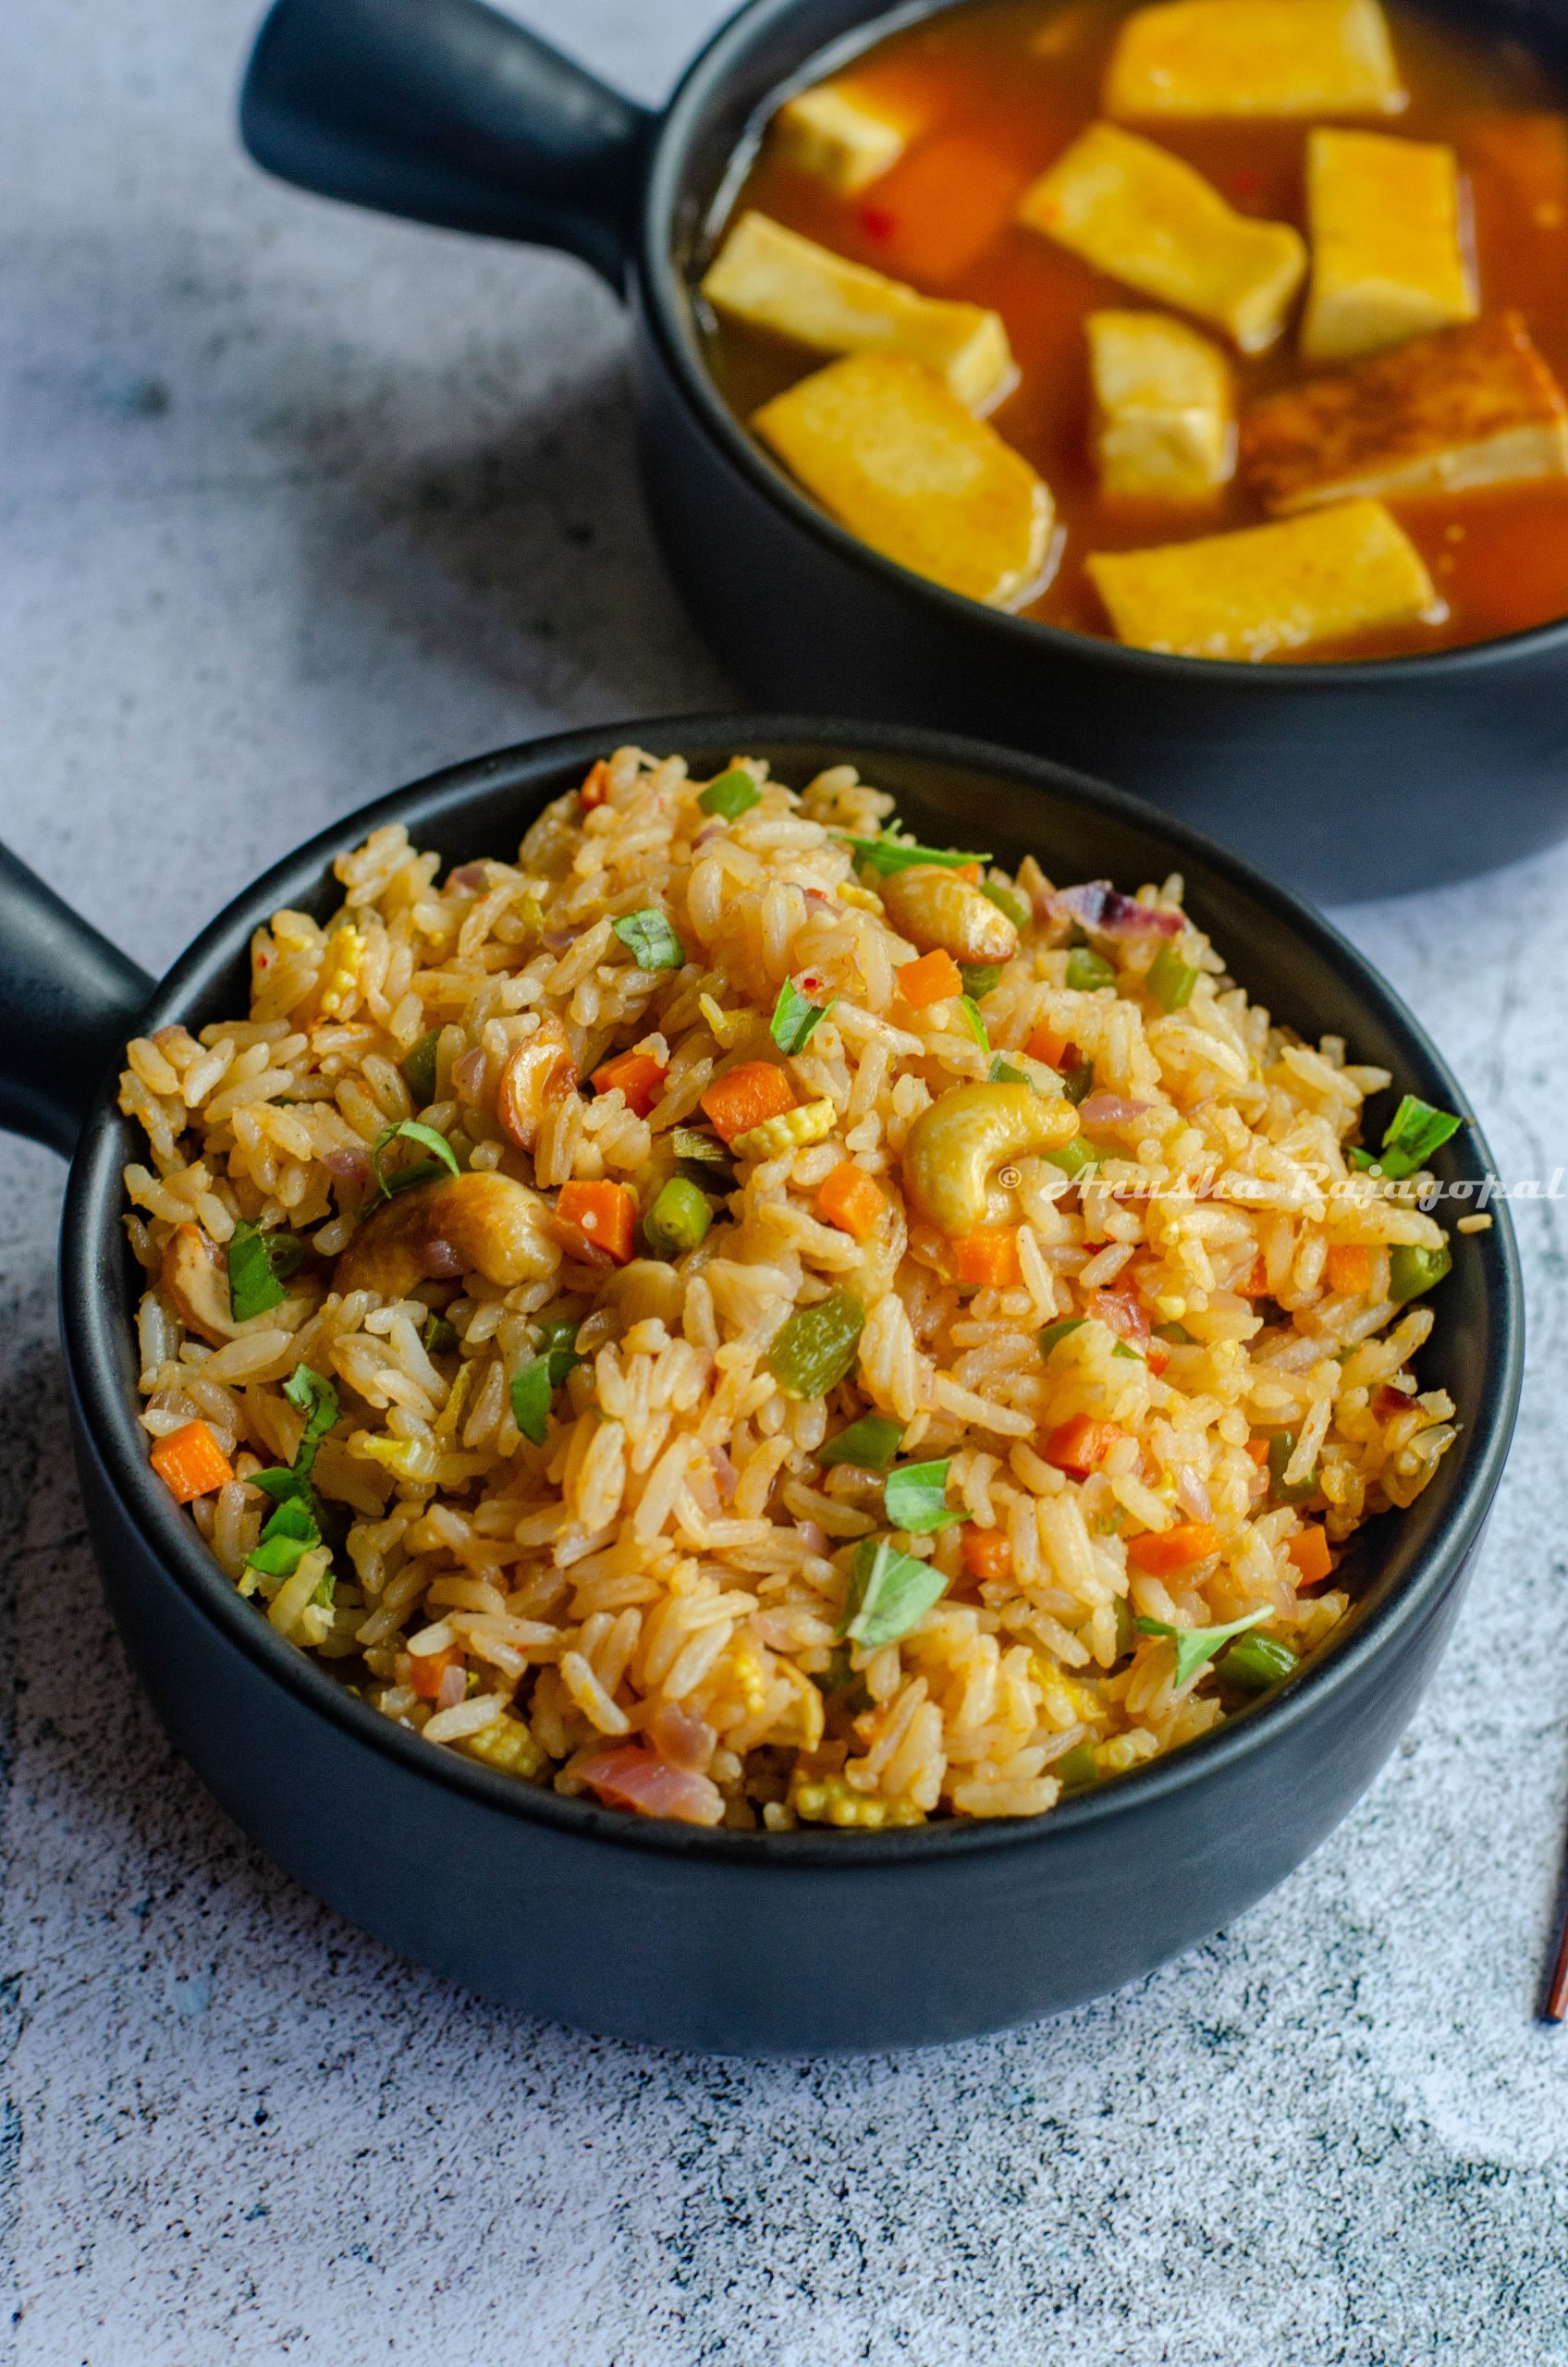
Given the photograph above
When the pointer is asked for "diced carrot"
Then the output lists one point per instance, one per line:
(1164, 1550)
(970, 873)
(190, 1463)
(427, 1669)
(1257, 1284)
(1158, 1357)
(743, 1097)
(848, 1198)
(1309, 1550)
(988, 1257)
(988, 1553)
(639, 1076)
(605, 1214)
(1081, 1445)
(1258, 1450)
(1047, 1046)
(596, 788)
(935, 978)
(1122, 1312)
(1350, 1267)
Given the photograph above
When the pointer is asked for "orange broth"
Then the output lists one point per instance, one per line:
(999, 88)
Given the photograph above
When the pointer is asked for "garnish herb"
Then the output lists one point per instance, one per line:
(1056, 1332)
(439, 1337)
(1078, 1083)
(732, 795)
(1415, 1131)
(422, 1169)
(1004, 1073)
(419, 1067)
(259, 1263)
(870, 1443)
(795, 1019)
(915, 1499)
(313, 1396)
(973, 1021)
(899, 855)
(534, 1384)
(649, 939)
(1088, 971)
(1282, 1446)
(889, 1591)
(290, 1533)
(292, 1491)
(1176, 1335)
(1196, 1645)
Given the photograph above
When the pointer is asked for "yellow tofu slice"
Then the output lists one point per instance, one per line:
(1388, 260)
(1266, 588)
(1472, 406)
(897, 458)
(1164, 424)
(1254, 58)
(772, 278)
(838, 137)
(1140, 213)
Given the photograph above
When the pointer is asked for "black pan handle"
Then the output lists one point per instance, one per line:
(68, 999)
(448, 112)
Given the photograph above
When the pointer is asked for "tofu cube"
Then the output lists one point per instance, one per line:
(1141, 214)
(1254, 58)
(1388, 261)
(838, 136)
(1164, 427)
(1266, 588)
(897, 458)
(1473, 406)
(774, 279)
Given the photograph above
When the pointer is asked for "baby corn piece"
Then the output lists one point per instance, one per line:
(898, 459)
(1387, 258)
(1141, 214)
(1165, 421)
(772, 278)
(811, 1121)
(1465, 407)
(1254, 58)
(1246, 595)
(838, 137)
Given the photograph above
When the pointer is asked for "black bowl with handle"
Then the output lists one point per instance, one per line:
(1349, 780)
(711, 1938)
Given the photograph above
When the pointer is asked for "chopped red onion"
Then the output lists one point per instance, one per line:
(1098, 907)
(467, 874)
(1111, 1110)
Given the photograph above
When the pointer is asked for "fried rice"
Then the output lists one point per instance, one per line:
(1150, 1396)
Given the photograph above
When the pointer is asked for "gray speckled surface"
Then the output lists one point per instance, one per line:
(293, 505)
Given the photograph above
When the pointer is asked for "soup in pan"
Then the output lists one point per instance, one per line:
(1233, 329)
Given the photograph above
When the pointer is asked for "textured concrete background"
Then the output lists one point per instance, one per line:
(293, 505)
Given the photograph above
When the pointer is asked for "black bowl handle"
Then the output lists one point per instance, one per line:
(446, 112)
(68, 999)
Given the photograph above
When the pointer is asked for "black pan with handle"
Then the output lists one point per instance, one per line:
(711, 1938)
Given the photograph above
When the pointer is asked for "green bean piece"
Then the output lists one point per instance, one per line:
(439, 1336)
(813, 1350)
(1255, 1662)
(1088, 971)
(419, 1068)
(869, 1444)
(1282, 1446)
(1170, 980)
(1415, 1131)
(1072, 1157)
(1008, 900)
(677, 1218)
(979, 977)
(1175, 1335)
(1078, 1083)
(1054, 1332)
(1077, 1768)
(732, 795)
(1413, 1271)
(1125, 1632)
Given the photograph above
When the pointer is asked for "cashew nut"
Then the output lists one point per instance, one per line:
(933, 909)
(956, 1146)
(463, 1224)
(193, 1274)
(537, 1073)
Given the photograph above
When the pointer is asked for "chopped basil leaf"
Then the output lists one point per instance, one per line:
(649, 939)
(288, 1535)
(317, 1399)
(532, 1394)
(732, 795)
(870, 1443)
(558, 1346)
(1057, 1331)
(889, 1591)
(973, 1021)
(1196, 1645)
(410, 1130)
(795, 1018)
(1256, 1662)
(1415, 1132)
(916, 1498)
(900, 854)
(1356, 1157)
(280, 1484)
(258, 1265)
